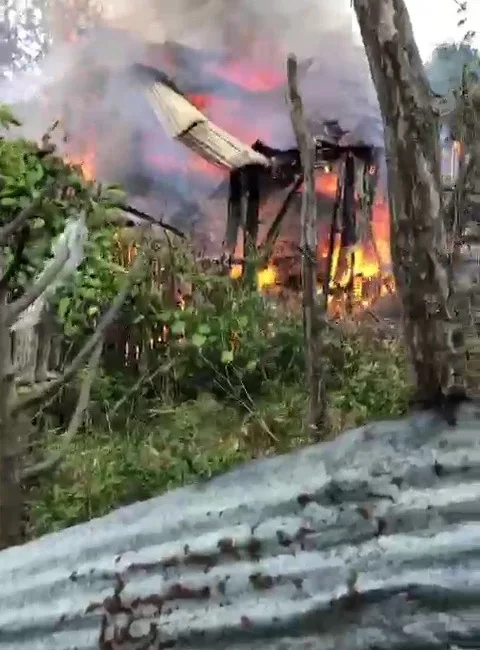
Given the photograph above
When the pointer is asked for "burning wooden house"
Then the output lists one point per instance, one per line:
(224, 178)
(352, 266)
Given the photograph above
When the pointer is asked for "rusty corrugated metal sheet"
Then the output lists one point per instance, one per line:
(370, 541)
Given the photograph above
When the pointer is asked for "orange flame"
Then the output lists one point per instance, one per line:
(266, 277)
(86, 162)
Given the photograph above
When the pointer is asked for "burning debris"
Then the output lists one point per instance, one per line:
(354, 273)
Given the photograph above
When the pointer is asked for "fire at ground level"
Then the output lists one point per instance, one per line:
(355, 270)
(353, 254)
(359, 274)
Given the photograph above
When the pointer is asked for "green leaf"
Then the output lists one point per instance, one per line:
(198, 340)
(243, 321)
(92, 310)
(251, 365)
(38, 223)
(204, 329)
(8, 201)
(178, 327)
(227, 356)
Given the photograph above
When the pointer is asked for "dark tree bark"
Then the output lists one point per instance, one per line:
(420, 252)
(311, 316)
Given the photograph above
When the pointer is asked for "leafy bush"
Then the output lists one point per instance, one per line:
(34, 176)
(160, 445)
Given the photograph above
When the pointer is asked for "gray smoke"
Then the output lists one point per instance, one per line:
(89, 87)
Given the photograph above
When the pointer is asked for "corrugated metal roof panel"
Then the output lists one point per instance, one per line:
(369, 541)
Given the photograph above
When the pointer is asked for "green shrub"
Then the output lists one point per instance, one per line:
(157, 445)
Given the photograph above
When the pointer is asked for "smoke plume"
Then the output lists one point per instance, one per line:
(235, 53)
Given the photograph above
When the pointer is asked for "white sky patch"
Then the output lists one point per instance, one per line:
(435, 21)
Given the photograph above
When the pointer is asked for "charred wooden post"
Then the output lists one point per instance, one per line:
(235, 210)
(251, 176)
(349, 232)
(334, 231)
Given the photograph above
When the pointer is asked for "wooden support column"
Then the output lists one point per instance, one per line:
(250, 231)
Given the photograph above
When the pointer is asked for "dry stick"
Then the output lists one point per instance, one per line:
(152, 220)
(311, 316)
(161, 370)
(43, 390)
(54, 460)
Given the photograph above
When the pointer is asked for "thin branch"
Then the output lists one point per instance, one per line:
(152, 220)
(16, 308)
(51, 463)
(43, 390)
(161, 370)
(224, 382)
(17, 223)
(465, 177)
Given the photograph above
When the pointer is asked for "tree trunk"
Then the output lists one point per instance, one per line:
(419, 245)
(311, 316)
(10, 490)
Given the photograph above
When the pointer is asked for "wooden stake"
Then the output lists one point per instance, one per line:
(312, 320)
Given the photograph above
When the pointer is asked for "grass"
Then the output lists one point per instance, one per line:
(163, 445)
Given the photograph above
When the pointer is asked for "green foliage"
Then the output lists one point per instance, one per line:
(158, 444)
(94, 286)
(34, 175)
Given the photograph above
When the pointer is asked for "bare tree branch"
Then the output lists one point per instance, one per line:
(41, 391)
(14, 226)
(161, 370)
(16, 308)
(18, 256)
(311, 316)
(465, 178)
(51, 463)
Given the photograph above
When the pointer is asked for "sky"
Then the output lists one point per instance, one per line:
(435, 21)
